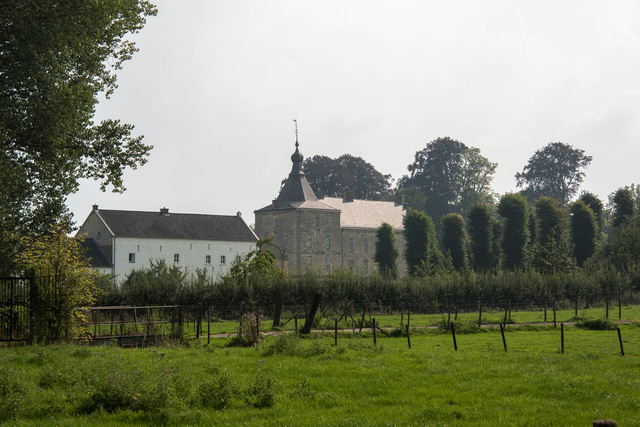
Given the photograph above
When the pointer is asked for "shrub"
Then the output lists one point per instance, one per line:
(597, 324)
(283, 344)
(217, 391)
(260, 393)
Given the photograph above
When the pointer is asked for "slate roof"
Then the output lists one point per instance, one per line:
(97, 257)
(366, 213)
(296, 192)
(155, 225)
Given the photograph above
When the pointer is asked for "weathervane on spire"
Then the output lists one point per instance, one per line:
(296, 124)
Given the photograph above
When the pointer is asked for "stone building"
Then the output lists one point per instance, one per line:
(325, 234)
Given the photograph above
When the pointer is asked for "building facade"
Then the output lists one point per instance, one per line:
(325, 234)
(130, 240)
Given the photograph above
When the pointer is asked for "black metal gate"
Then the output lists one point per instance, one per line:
(15, 307)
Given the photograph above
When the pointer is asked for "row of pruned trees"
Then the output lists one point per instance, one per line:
(546, 236)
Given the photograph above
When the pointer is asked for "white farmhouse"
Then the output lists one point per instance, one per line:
(121, 241)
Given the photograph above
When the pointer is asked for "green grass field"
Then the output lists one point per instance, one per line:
(309, 381)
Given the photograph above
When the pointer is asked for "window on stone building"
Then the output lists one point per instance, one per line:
(285, 241)
(317, 222)
(328, 241)
(350, 244)
(327, 263)
(366, 267)
(132, 257)
(366, 245)
(207, 259)
(176, 257)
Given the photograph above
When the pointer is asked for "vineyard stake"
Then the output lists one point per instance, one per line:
(562, 338)
(620, 339)
(453, 333)
(373, 328)
(336, 335)
(408, 337)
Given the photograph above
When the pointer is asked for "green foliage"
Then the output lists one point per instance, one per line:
(217, 390)
(386, 251)
(551, 219)
(283, 344)
(623, 207)
(65, 284)
(419, 234)
(56, 59)
(597, 324)
(485, 252)
(455, 241)
(594, 203)
(260, 392)
(347, 176)
(450, 176)
(584, 232)
(515, 233)
(555, 171)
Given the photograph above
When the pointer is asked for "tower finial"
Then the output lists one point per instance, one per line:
(296, 124)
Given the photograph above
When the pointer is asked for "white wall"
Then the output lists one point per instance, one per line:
(192, 254)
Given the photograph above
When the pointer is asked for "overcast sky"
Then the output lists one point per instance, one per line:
(216, 85)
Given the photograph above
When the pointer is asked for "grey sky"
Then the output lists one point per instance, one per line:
(216, 85)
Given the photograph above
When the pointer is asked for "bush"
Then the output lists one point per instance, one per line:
(283, 344)
(217, 391)
(597, 324)
(260, 393)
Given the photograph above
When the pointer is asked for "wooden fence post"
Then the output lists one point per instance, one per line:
(620, 339)
(562, 338)
(336, 334)
(408, 337)
(209, 325)
(373, 328)
(453, 334)
(311, 315)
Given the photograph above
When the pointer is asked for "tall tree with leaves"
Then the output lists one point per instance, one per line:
(623, 207)
(56, 58)
(346, 176)
(584, 232)
(555, 171)
(481, 223)
(551, 252)
(515, 232)
(450, 176)
(420, 240)
(386, 252)
(455, 242)
(594, 203)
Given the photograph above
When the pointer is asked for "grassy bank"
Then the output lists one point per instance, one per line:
(309, 381)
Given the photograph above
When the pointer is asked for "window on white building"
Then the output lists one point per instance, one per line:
(190, 245)
(176, 257)
(138, 248)
(223, 259)
(207, 259)
(132, 257)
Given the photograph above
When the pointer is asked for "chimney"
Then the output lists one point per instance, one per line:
(164, 211)
(239, 214)
(95, 207)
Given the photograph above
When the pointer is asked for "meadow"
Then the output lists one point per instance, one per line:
(287, 380)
